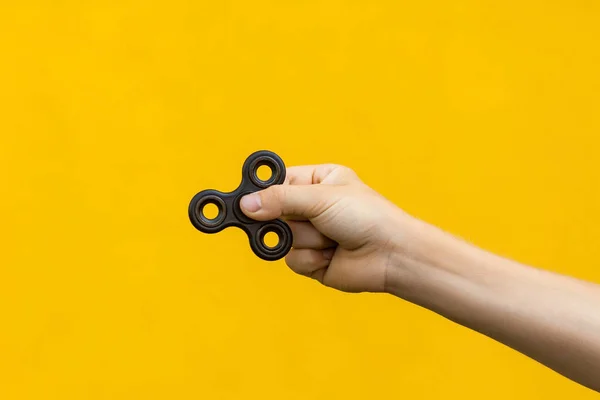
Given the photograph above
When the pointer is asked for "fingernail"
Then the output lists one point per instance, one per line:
(328, 253)
(251, 202)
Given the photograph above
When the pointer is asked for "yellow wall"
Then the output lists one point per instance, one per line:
(481, 117)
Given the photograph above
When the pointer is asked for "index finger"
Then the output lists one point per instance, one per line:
(308, 174)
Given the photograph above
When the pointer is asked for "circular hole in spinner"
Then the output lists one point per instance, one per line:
(267, 249)
(210, 211)
(264, 171)
(270, 239)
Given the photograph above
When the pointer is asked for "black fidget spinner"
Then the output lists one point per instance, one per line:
(230, 213)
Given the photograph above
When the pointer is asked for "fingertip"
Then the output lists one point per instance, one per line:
(251, 203)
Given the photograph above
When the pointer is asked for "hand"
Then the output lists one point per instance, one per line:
(344, 232)
(350, 238)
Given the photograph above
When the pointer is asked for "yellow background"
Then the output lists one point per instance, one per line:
(480, 117)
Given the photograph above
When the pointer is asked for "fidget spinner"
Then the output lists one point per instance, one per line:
(230, 214)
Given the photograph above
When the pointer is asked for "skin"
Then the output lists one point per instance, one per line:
(350, 238)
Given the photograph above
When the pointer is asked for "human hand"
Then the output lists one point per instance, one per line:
(349, 237)
(344, 232)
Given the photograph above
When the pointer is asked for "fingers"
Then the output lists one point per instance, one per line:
(308, 262)
(321, 173)
(308, 174)
(301, 196)
(312, 251)
(307, 201)
(306, 236)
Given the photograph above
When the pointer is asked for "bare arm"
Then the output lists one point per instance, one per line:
(551, 318)
(350, 238)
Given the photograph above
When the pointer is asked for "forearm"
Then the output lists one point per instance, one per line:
(551, 318)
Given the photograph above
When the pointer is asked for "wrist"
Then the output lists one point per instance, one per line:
(425, 259)
(405, 254)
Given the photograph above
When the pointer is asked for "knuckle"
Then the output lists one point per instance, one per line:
(348, 171)
(332, 166)
(303, 261)
(292, 262)
(343, 173)
(314, 258)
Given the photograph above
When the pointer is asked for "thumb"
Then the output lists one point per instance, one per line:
(306, 201)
